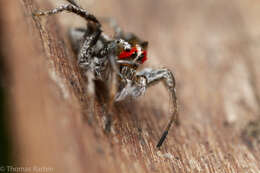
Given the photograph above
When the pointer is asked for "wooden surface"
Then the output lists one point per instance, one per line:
(213, 49)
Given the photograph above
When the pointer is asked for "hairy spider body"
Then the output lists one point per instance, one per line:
(114, 61)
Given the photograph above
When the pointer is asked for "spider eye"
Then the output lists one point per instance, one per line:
(134, 54)
(127, 50)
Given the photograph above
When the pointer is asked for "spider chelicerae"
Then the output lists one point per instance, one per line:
(115, 62)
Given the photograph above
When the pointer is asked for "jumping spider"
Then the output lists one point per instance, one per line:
(115, 62)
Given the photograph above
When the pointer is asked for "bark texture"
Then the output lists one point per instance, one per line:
(213, 48)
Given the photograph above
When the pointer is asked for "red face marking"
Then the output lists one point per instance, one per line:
(127, 54)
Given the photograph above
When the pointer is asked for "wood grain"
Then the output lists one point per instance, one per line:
(213, 48)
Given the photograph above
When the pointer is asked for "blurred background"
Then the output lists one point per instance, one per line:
(212, 46)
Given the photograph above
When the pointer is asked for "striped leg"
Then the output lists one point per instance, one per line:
(70, 8)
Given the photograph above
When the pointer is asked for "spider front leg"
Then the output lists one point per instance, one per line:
(156, 75)
(73, 7)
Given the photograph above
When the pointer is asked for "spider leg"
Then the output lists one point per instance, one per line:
(87, 59)
(73, 2)
(91, 94)
(112, 86)
(87, 62)
(84, 41)
(86, 51)
(156, 75)
(77, 35)
(70, 8)
(110, 51)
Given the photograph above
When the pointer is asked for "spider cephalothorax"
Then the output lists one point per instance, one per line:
(115, 62)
